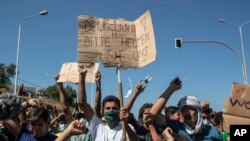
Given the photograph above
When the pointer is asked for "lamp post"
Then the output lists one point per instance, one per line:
(241, 41)
(44, 12)
(179, 42)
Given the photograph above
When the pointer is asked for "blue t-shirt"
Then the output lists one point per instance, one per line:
(25, 135)
(209, 133)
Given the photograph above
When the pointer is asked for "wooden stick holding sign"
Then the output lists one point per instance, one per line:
(121, 102)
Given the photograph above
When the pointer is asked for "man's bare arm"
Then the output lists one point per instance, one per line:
(137, 92)
(63, 100)
(162, 100)
(82, 98)
(98, 95)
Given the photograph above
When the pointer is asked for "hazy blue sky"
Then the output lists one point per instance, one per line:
(208, 69)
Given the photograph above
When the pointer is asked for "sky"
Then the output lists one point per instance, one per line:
(207, 69)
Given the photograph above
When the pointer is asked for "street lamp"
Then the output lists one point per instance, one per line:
(241, 41)
(44, 12)
(179, 42)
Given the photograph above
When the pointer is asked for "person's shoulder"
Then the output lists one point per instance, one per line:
(95, 118)
(24, 133)
(211, 128)
(212, 131)
(96, 123)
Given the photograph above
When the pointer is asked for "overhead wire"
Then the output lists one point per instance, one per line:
(30, 83)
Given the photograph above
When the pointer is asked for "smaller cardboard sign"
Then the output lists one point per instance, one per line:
(233, 120)
(70, 73)
(237, 107)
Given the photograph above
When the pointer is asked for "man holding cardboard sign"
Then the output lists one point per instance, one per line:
(111, 129)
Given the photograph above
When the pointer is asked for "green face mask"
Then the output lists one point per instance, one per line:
(111, 117)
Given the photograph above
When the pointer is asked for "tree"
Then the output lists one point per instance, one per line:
(52, 92)
(6, 72)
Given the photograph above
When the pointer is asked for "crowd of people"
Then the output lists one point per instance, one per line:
(109, 120)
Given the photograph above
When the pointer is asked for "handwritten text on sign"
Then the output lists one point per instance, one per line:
(127, 43)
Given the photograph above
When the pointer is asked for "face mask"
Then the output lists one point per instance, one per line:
(205, 121)
(83, 121)
(62, 126)
(111, 117)
(144, 116)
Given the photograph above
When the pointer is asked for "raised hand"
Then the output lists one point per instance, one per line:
(56, 79)
(82, 70)
(35, 102)
(123, 114)
(76, 127)
(168, 134)
(32, 103)
(139, 89)
(175, 84)
(98, 77)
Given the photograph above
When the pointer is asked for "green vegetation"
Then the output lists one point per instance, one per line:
(53, 93)
(6, 72)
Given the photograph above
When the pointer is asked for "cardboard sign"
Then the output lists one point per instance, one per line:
(129, 44)
(70, 73)
(237, 107)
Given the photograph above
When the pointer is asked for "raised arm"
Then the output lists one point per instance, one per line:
(137, 92)
(74, 128)
(13, 126)
(63, 100)
(82, 98)
(98, 95)
(161, 101)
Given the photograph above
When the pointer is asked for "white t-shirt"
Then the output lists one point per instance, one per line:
(101, 132)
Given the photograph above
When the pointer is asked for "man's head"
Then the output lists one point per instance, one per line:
(62, 122)
(190, 109)
(172, 113)
(79, 115)
(219, 120)
(39, 122)
(109, 99)
(206, 112)
(111, 107)
(144, 112)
